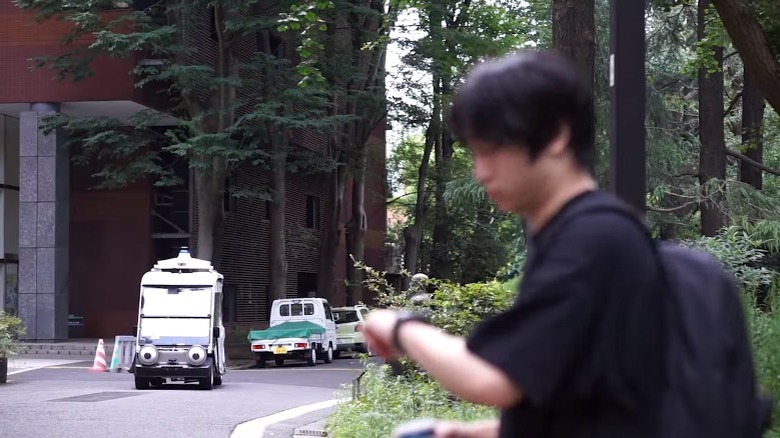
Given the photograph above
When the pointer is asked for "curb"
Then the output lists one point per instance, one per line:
(241, 366)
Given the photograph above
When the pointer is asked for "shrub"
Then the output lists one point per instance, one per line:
(741, 253)
(388, 401)
(10, 329)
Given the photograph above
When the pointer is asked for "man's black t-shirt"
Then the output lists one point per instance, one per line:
(584, 340)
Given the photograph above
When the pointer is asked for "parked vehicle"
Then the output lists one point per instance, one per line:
(180, 336)
(349, 326)
(300, 328)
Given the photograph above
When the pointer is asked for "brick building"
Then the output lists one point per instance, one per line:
(71, 251)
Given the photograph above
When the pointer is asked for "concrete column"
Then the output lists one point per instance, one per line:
(43, 228)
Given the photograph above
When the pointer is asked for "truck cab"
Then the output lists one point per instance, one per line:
(299, 328)
(180, 335)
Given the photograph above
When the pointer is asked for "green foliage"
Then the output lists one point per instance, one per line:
(10, 329)
(714, 36)
(484, 240)
(386, 401)
(764, 330)
(740, 253)
(456, 308)
(222, 115)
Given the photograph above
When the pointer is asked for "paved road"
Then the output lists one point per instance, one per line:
(69, 400)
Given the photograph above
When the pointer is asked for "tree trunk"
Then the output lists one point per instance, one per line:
(356, 233)
(277, 248)
(210, 183)
(481, 242)
(441, 261)
(712, 158)
(209, 189)
(331, 233)
(752, 133)
(741, 22)
(574, 35)
(413, 232)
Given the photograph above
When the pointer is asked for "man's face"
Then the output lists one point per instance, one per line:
(511, 179)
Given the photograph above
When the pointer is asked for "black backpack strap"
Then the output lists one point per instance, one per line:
(599, 205)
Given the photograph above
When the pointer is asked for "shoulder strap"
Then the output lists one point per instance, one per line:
(598, 206)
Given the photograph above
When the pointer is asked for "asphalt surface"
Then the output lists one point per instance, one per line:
(69, 400)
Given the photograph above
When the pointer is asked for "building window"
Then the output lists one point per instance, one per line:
(267, 210)
(313, 212)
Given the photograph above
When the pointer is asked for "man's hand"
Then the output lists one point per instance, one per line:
(444, 356)
(378, 332)
(457, 429)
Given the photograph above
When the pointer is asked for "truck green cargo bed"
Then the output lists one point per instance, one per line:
(289, 329)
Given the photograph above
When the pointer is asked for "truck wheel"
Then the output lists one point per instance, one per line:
(141, 383)
(312, 357)
(279, 362)
(337, 354)
(329, 354)
(260, 363)
(208, 382)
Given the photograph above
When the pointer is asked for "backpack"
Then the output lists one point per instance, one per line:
(711, 384)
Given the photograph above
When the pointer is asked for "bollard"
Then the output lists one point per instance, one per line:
(124, 353)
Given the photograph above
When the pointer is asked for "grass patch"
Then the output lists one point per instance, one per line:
(387, 401)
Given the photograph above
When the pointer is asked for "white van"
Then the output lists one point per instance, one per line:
(180, 336)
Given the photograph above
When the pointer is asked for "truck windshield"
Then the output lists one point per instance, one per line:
(176, 315)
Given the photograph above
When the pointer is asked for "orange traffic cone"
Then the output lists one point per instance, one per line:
(100, 358)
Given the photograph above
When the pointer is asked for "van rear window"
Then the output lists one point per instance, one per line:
(296, 309)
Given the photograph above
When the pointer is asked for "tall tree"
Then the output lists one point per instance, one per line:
(712, 157)
(354, 47)
(741, 20)
(752, 132)
(457, 34)
(574, 35)
(226, 110)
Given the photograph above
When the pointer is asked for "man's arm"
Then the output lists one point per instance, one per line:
(445, 357)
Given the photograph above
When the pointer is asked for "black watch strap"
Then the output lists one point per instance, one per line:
(405, 316)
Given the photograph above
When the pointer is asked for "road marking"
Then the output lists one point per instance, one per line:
(255, 428)
(68, 368)
(45, 363)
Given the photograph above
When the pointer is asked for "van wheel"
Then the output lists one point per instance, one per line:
(208, 382)
(141, 383)
(217, 380)
(329, 354)
(312, 357)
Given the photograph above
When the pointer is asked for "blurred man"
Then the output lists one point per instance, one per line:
(579, 353)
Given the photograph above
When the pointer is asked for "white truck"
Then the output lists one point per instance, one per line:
(300, 328)
(180, 336)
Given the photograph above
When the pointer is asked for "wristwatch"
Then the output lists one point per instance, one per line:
(405, 316)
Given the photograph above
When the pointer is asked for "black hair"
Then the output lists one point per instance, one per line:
(524, 99)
